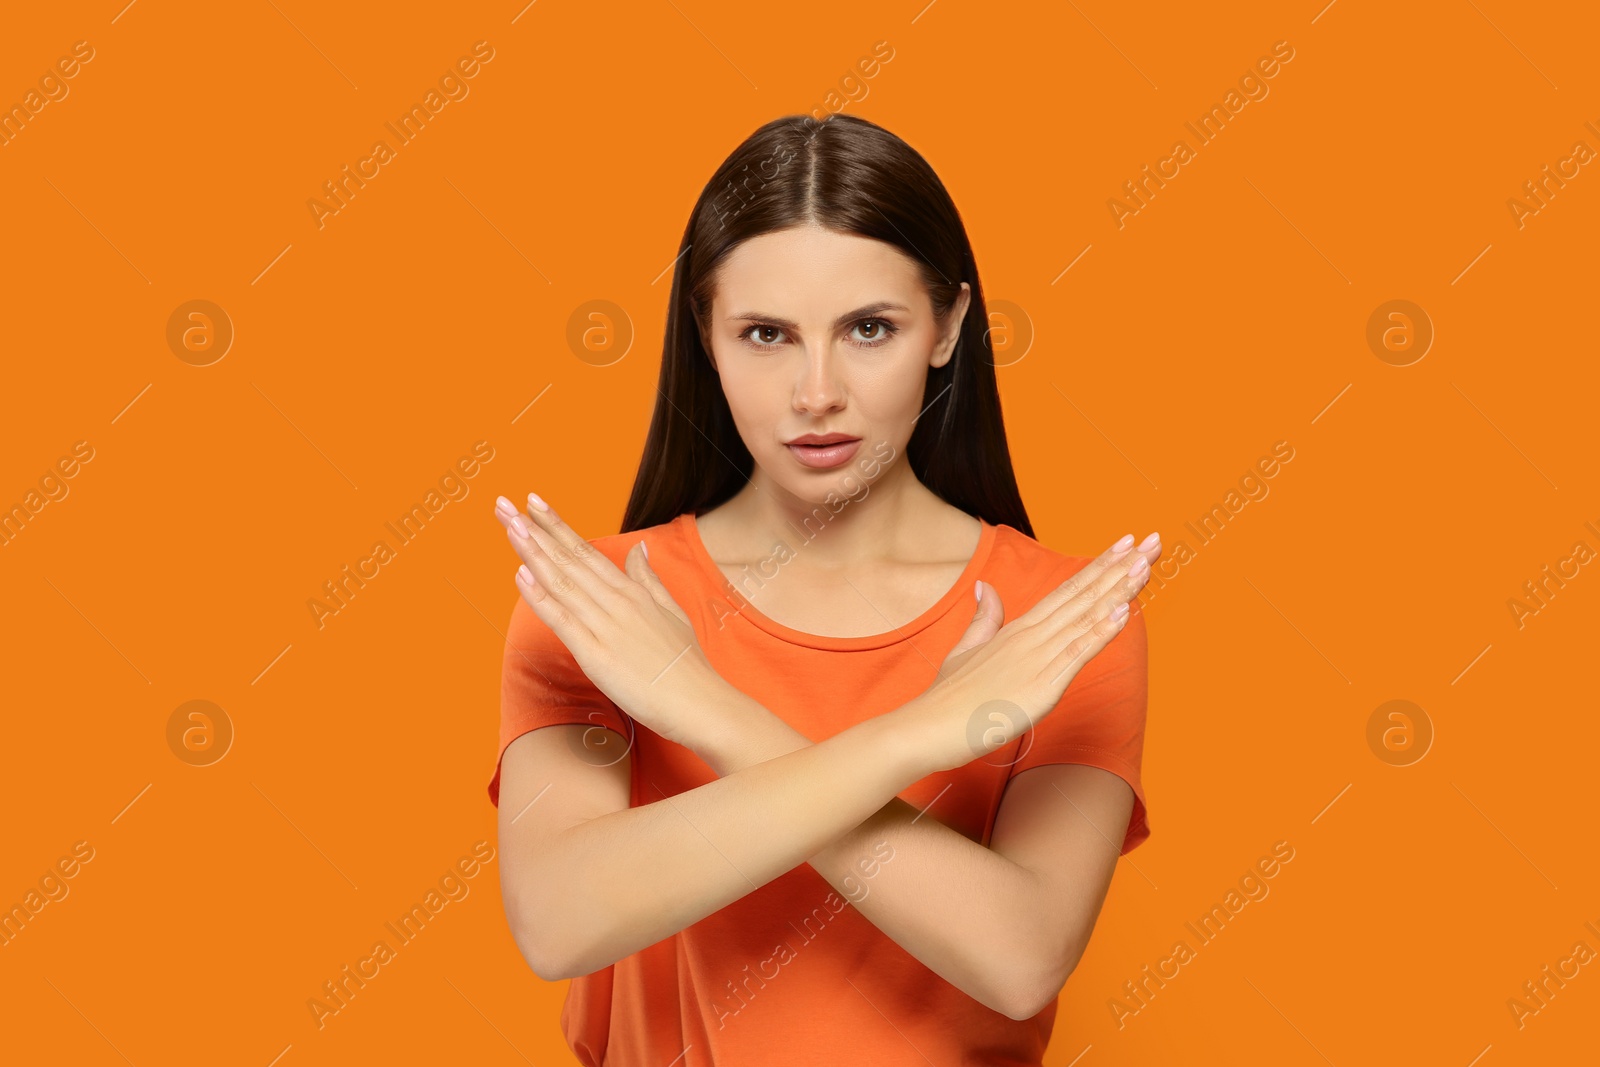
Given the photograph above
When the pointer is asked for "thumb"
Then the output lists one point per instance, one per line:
(986, 621)
(638, 568)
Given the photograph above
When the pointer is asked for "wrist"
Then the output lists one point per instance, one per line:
(924, 736)
(904, 741)
(736, 731)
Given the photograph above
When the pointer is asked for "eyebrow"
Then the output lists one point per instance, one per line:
(848, 317)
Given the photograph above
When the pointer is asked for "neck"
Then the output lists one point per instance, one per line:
(856, 522)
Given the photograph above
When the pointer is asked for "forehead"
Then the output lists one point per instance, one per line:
(812, 270)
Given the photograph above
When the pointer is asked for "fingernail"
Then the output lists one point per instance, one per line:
(977, 591)
(1149, 542)
(534, 501)
(502, 504)
(1122, 545)
(518, 525)
(1119, 611)
(525, 574)
(1140, 568)
(645, 549)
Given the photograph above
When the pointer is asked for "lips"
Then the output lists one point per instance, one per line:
(823, 439)
(824, 450)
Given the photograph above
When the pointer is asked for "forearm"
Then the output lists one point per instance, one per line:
(615, 884)
(965, 911)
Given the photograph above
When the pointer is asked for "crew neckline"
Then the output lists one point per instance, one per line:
(690, 528)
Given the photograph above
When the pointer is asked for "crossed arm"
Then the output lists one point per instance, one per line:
(1006, 924)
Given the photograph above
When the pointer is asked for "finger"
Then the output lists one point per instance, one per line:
(1086, 645)
(1092, 600)
(563, 539)
(1153, 552)
(552, 612)
(986, 621)
(1126, 589)
(1114, 561)
(1099, 600)
(513, 521)
(560, 574)
(1116, 598)
(1135, 565)
(638, 568)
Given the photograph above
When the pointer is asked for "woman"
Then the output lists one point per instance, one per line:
(768, 790)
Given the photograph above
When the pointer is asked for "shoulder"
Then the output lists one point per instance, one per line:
(666, 542)
(1023, 571)
(668, 552)
(1026, 569)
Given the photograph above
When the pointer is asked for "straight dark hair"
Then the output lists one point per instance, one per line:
(852, 176)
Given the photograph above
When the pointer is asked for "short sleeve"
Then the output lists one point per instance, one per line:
(1100, 720)
(542, 685)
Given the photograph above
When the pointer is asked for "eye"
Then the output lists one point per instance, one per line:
(745, 336)
(882, 330)
(878, 332)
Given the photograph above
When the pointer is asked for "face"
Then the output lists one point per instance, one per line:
(818, 332)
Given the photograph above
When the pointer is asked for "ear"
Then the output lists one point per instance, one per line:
(711, 354)
(705, 342)
(958, 314)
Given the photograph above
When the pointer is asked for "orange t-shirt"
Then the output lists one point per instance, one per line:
(764, 980)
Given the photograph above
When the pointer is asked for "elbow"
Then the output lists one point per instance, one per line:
(542, 957)
(548, 954)
(559, 968)
(547, 967)
(1045, 986)
(536, 932)
(1039, 996)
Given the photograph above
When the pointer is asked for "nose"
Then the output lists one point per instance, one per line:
(819, 390)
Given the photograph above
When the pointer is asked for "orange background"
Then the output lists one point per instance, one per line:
(1229, 314)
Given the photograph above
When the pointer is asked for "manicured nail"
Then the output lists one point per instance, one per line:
(1119, 611)
(1150, 542)
(1140, 568)
(502, 504)
(525, 574)
(518, 525)
(534, 501)
(1122, 545)
(645, 549)
(977, 591)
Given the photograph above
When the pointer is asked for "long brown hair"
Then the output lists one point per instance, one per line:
(852, 176)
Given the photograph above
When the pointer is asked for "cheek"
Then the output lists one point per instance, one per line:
(894, 388)
(755, 399)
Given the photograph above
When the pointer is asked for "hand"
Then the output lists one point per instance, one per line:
(622, 626)
(1003, 678)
